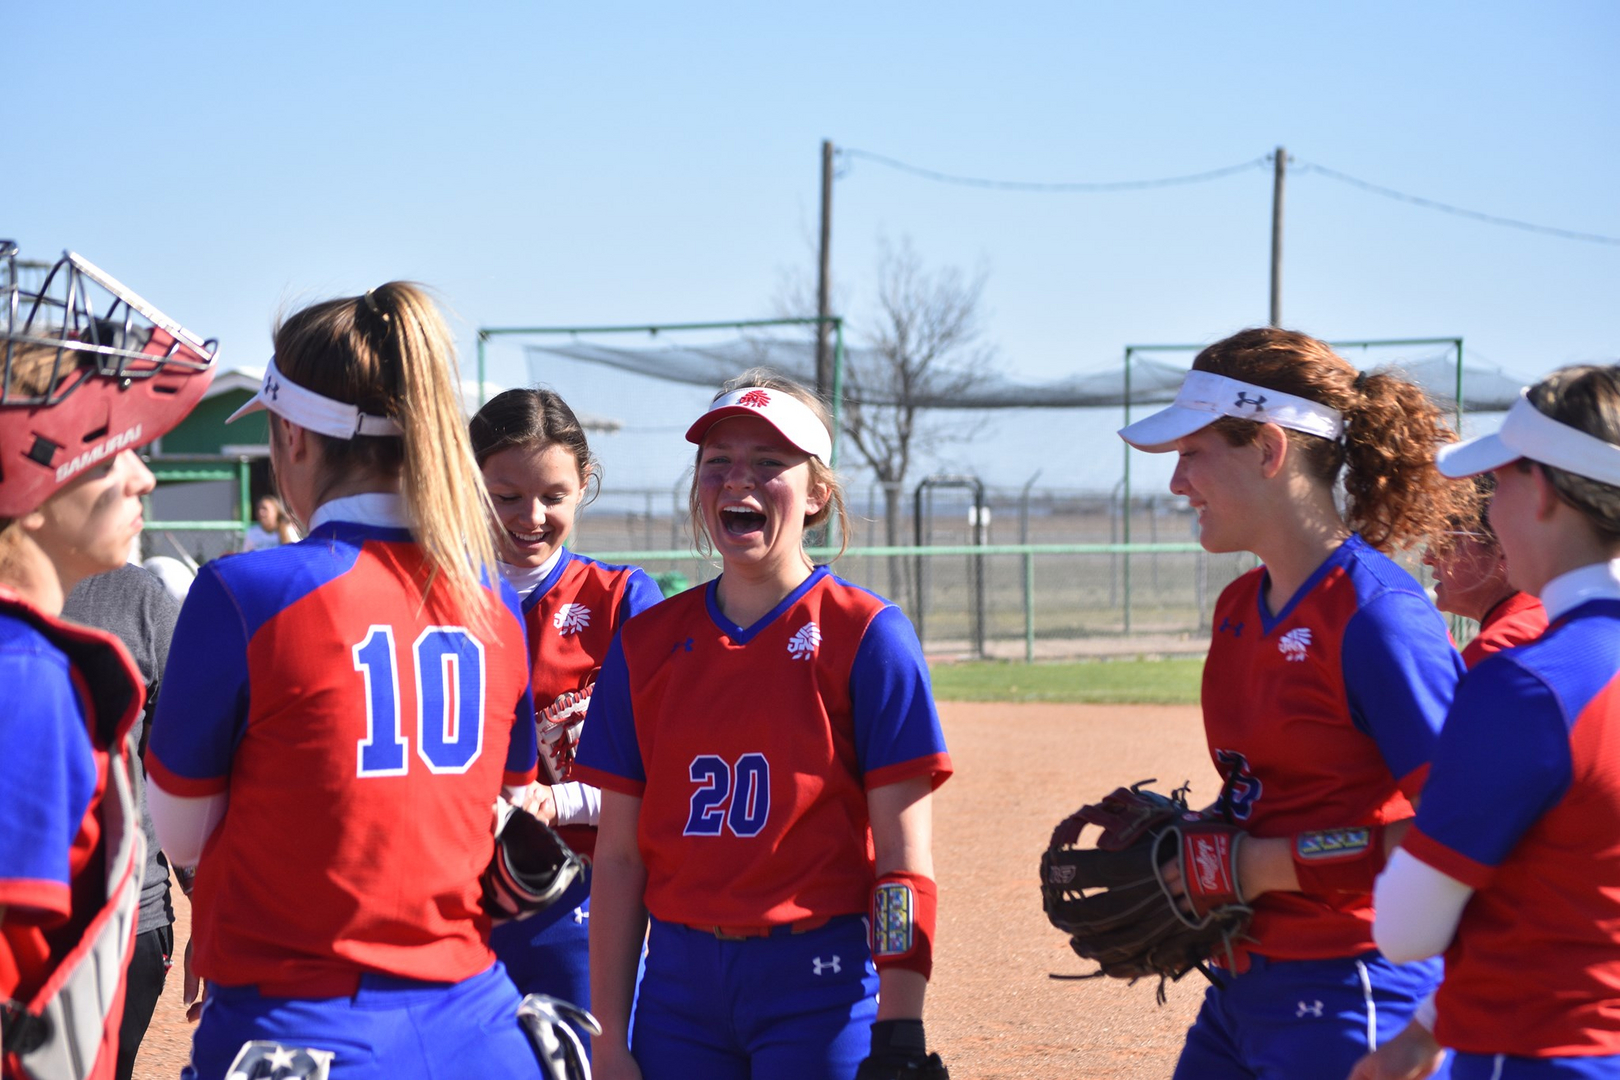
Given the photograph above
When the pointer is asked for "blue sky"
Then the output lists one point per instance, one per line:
(542, 163)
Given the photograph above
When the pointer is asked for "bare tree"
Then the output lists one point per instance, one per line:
(924, 347)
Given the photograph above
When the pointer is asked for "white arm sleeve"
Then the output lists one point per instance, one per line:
(184, 824)
(1417, 909)
(577, 804)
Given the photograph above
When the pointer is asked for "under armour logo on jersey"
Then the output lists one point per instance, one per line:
(580, 915)
(1295, 642)
(1311, 1008)
(1243, 399)
(755, 399)
(1235, 628)
(571, 618)
(687, 645)
(803, 644)
(824, 966)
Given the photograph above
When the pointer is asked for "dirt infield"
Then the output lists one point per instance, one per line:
(993, 1013)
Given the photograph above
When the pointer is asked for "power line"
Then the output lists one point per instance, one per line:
(1216, 174)
(1077, 186)
(1432, 204)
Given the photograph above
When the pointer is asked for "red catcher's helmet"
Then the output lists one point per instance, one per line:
(89, 369)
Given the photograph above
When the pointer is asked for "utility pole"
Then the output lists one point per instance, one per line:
(1280, 160)
(824, 372)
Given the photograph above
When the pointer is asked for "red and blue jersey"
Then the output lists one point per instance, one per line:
(1325, 715)
(362, 733)
(68, 695)
(1523, 806)
(572, 615)
(752, 750)
(571, 618)
(1513, 620)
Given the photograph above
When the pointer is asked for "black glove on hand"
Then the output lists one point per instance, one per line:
(900, 1052)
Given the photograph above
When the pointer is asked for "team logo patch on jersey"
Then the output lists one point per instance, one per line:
(1294, 643)
(571, 619)
(892, 906)
(802, 646)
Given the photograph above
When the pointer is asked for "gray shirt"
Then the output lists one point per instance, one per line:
(132, 604)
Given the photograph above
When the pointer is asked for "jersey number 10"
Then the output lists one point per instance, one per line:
(447, 664)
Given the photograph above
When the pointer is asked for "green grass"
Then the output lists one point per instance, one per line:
(1134, 681)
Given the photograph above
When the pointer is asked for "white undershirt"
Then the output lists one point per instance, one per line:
(1417, 906)
(525, 579)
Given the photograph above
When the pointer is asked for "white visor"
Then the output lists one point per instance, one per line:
(1205, 397)
(793, 419)
(1527, 432)
(308, 409)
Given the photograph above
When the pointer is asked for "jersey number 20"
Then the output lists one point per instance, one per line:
(747, 784)
(447, 664)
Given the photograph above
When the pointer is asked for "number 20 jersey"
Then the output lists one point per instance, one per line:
(361, 735)
(753, 749)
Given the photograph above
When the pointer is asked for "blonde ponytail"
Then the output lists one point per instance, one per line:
(389, 353)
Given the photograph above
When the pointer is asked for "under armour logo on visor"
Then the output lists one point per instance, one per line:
(1243, 399)
(755, 399)
(272, 387)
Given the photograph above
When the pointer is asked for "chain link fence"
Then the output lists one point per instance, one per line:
(1022, 573)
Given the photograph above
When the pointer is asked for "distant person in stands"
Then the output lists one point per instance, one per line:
(1471, 580)
(272, 526)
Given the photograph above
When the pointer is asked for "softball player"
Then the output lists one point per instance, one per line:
(339, 716)
(1328, 675)
(82, 385)
(1524, 900)
(757, 739)
(1471, 580)
(538, 467)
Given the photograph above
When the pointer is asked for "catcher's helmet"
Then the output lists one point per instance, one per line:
(89, 369)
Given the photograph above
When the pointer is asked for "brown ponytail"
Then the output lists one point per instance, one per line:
(1395, 497)
(389, 353)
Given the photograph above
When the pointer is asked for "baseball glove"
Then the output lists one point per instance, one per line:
(1114, 902)
(558, 727)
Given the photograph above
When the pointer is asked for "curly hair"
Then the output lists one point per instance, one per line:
(1394, 496)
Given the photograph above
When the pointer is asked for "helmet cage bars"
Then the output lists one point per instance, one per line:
(81, 311)
(87, 369)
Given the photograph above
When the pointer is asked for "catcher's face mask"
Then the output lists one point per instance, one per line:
(89, 369)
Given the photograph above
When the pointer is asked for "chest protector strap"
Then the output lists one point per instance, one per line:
(69, 1031)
